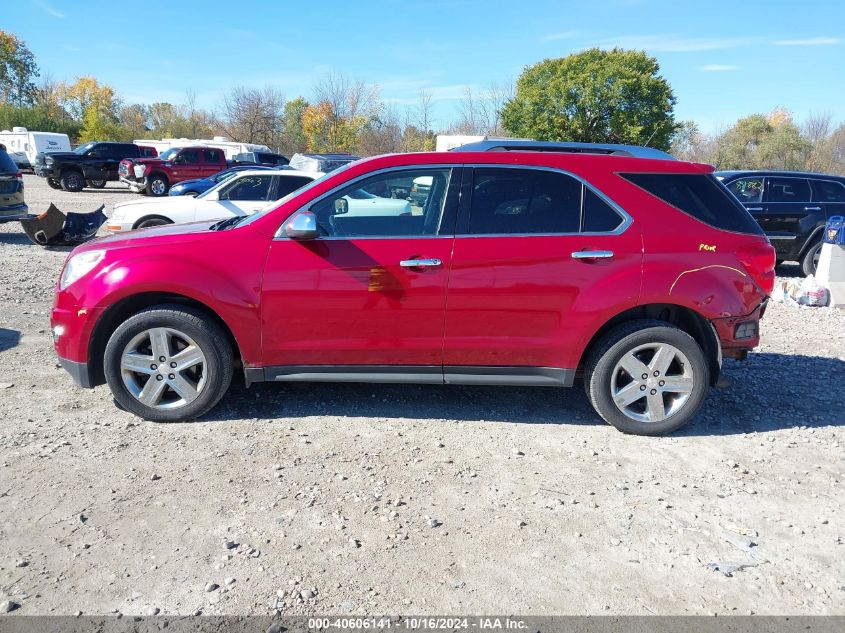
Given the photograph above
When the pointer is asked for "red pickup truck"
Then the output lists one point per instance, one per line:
(155, 176)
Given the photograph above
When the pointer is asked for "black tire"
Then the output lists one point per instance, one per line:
(54, 184)
(209, 337)
(96, 184)
(157, 185)
(72, 181)
(145, 223)
(609, 351)
(810, 258)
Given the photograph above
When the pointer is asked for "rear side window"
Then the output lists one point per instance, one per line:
(524, 201)
(212, 156)
(788, 190)
(827, 191)
(122, 150)
(289, 184)
(6, 163)
(701, 196)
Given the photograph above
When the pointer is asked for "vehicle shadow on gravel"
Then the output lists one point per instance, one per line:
(768, 392)
(8, 339)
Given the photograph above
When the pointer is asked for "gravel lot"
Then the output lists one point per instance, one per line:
(413, 499)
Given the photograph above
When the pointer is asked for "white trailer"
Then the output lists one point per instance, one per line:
(22, 145)
(230, 148)
(445, 142)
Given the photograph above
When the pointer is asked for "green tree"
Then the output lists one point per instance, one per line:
(36, 118)
(17, 70)
(595, 96)
(293, 134)
(762, 142)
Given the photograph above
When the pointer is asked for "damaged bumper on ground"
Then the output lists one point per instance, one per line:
(54, 228)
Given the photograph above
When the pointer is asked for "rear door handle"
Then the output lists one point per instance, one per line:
(420, 263)
(812, 208)
(592, 254)
(754, 208)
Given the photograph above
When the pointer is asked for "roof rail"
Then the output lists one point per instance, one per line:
(524, 145)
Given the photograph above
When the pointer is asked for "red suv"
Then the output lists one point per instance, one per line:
(532, 265)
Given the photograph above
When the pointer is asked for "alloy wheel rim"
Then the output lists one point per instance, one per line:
(163, 368)
(158, 186)
(652, 382)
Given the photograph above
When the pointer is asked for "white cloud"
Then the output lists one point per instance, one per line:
(810, 41)
(47, 8)
(564, 35)
(718, 68)
(675, 44)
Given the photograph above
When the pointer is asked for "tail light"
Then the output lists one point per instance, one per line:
(759, 261)
(19, 176)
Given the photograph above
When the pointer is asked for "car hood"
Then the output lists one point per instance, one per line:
(59, 154)
(183, 183)
(179, 202)
(146, 161)
(144, 237)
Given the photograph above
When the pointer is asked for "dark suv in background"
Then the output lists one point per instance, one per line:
(791, 207)
(12, 206)
(92, 164)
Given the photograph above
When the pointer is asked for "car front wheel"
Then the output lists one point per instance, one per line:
(168, 363)
(73, 181)
(157, 186)
(647, 377)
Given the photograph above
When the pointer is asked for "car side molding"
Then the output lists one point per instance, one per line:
(414, 374)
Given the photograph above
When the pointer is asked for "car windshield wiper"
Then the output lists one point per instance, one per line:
(228, 223)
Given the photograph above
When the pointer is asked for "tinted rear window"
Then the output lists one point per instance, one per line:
(701, 196)
(6, 163)
(827, 191)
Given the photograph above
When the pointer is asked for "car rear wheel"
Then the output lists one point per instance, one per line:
(810, 260)
(647, 377)
(97, 184)
(73, 181)
(168, 363)
(55, 184)
(145, 223)
(157, 185)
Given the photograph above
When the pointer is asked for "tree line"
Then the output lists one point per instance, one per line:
(598, 96)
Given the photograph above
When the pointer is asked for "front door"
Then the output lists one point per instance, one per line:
(538, 259)
(368, 296)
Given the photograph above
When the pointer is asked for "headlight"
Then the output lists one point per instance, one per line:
(48, 160)
(78, 266)
(139, 170)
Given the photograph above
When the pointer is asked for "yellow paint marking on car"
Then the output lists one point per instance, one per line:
(695, 270)
(710, 248)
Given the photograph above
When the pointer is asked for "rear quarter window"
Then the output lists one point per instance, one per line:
(700, 196)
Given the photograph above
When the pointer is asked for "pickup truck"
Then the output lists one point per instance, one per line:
(91, 164)
(155, 176)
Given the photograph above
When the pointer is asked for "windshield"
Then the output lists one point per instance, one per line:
(277, 203)
(84, 148)
(169, 153)
(224, 175)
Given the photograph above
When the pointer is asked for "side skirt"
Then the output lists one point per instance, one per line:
(429, 375)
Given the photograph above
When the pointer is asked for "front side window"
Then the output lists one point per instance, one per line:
(788, 190)
(747, 190)
(248, 188)
(524, 201)
(828, 191)
(379, 206)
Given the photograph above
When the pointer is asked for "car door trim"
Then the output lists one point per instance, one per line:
(414, 374)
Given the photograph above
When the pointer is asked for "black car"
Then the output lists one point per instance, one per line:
(791, 207)
(12, 206)
(91, 164)
(261, 158)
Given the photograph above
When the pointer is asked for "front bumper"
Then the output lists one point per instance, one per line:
(45, 171)
(78, 371)
(117, 226)
(135, 184)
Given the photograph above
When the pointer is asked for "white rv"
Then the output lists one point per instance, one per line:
(230, 148)
(22, 145)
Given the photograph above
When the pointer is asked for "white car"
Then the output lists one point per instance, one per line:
(245, 193)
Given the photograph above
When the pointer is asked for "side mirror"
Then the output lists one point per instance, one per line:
(213, 196)
(302, 226)
(341, 206)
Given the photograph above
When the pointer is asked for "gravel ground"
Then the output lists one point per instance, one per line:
(413, 499)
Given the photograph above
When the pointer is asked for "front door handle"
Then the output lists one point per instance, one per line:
(592, 254)
(420, 263)
(812, 208)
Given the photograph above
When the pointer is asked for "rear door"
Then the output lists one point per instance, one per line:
(789, 216)
(539, 257)
(213, 161)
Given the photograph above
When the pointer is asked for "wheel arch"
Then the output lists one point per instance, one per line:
(125, 308)
(152, 216)
(688, 320)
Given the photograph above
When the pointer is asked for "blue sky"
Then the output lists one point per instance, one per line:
(723, 59)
